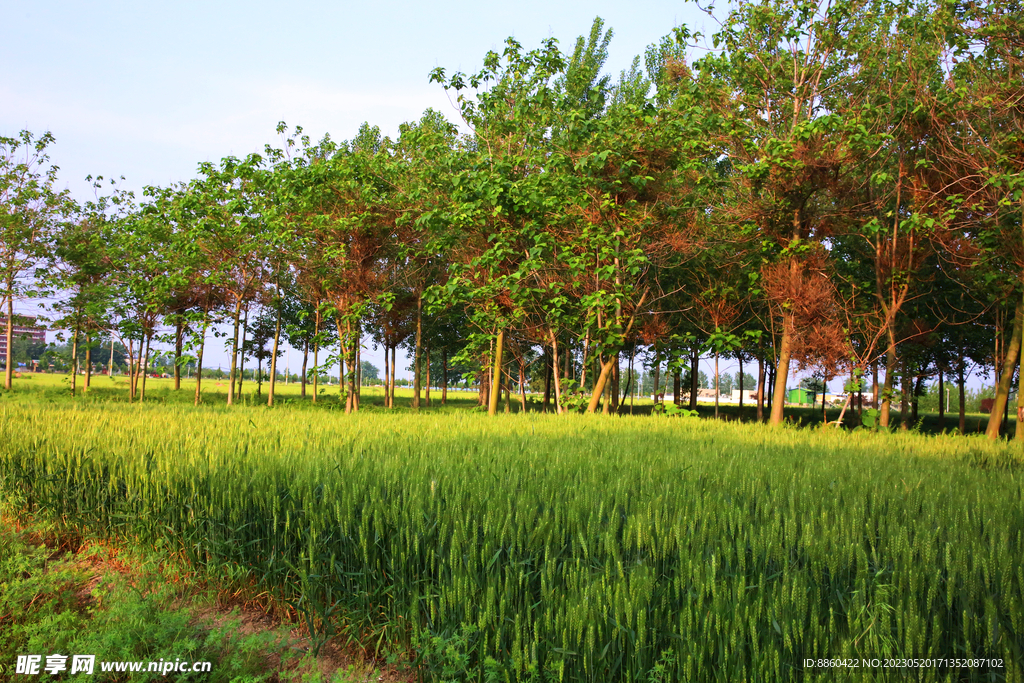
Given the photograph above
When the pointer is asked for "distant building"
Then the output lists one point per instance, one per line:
(24, 326)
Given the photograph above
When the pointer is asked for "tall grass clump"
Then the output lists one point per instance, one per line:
(564, 548)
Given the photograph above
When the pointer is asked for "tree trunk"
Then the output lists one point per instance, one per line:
(624, 389)
(234, 352)
(676, 388)
(963, 403)
(874, 385)
(305, 361)
(74, 360)
(570, 370)
(607, 395)
(88, 362)
(444, 376)
(179, 330)
(492, 406)
(145, 366)
(824, 406)
(393, 351)
(357, 390)
(199, 358)
(110, 367)
(556, 374)
(419, 351)
(426, 388)
(694, 375)
(316, 367)
(132, 370)
(905, 397)
(522, 383)
(942, 401)
(615, 384)
(629, 379)
(740, 358)
(782, 370)
(483, 394)
(657, 374)
(344, 357)
(273, 358)
(1019, 429)
(387, 376)
(547, 383)
(716, 385)
(599, 385)
(9, 358)
(1009, 365)
(760, 389)
(914, 402)
(506, 379)
(890, 371)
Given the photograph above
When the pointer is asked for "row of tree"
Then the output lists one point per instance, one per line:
(835, 186)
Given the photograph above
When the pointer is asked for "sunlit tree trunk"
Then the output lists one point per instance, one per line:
(716, 385)
(88, 362)
(657, 374)
(492, 406)
(358, 379)
(556, 372)
(234, 352)
(419, 351)
(74, 359)
(547, 383)
(874, 385)
(9, 358)
(241, 359)
(199, 358)
(760, 389)
(393, 351)
(522, 383)
(1006, 377)
(145, 367)
(961, 391)
(273, 358)
(179, 330)
(890, 372)
(1019, 430)
(740, 358)
(305, 362)
(426, 388)
(782, 370)
(387, 376)
(694, 376)
(942, 399)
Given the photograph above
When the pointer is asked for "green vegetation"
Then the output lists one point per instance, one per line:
(60, 593)
(559, 547)
(835, 188)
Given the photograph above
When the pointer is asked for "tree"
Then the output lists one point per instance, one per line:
(368, 371)
(28, 204)
(769, 86)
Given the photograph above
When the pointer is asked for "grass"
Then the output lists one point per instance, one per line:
(576, 548)
(65, 594)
